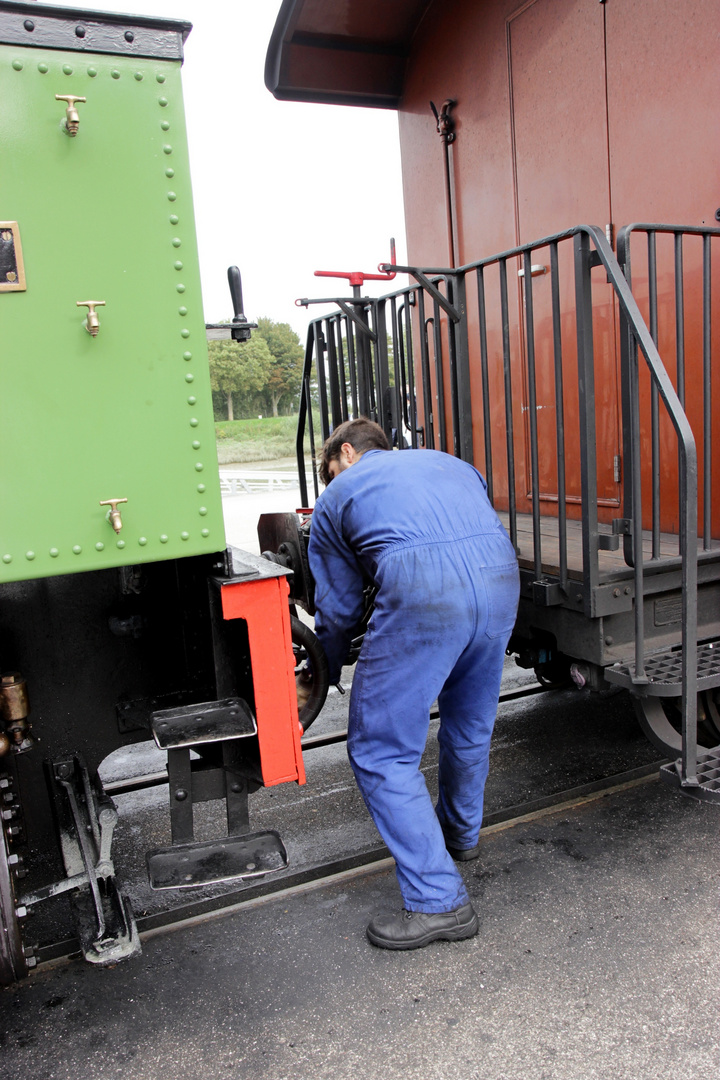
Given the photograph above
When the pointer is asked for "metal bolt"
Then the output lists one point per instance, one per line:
(4, 783)
(8, 815)
(609, 640)
(14, 830)
(31, 961)
(21, 912)
(181, 794)
(627, 590)
(236, 787)
(616, 592)
(64, 771)
(15, 860)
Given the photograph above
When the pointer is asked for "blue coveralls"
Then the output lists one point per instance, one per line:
(419, 524)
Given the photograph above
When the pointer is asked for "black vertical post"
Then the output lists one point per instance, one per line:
(586, 393)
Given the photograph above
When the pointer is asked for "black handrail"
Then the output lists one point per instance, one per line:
(440, 298)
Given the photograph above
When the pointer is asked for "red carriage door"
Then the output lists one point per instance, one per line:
(557, 77)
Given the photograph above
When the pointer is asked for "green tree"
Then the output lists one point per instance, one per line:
(241, 369)
(285, 377)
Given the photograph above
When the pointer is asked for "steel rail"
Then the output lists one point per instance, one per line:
(373, 859)
(309, 742)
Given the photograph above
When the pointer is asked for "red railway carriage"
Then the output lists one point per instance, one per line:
(560, 163)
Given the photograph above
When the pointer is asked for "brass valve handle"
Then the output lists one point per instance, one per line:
(113, 513)
(92, 323)
(72, 118)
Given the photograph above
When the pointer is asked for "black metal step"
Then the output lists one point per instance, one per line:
(208, 721)
(708, 775)
(664, 672)
(229, 858)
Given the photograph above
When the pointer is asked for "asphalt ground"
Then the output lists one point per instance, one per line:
(597, 955)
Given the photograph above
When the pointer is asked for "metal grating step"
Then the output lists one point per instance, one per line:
(708, 774)
(664, 671)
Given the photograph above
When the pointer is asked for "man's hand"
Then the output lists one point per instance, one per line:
(304, 690)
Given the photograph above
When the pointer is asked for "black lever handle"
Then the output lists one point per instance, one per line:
(235, 284)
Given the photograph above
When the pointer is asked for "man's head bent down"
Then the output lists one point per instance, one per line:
(348, 442)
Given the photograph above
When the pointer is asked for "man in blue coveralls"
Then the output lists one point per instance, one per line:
(419, 525)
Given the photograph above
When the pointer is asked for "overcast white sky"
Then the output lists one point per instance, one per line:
(280, 189)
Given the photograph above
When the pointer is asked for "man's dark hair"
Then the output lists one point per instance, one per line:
(362, 434)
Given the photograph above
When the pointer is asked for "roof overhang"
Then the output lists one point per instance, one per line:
(342, 52)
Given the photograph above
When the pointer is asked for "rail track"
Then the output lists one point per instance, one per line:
(323, 873)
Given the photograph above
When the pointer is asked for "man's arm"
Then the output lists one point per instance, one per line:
(338, 589)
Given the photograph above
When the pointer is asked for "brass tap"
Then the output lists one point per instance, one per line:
(71, 123)
(113, 514)
(92, 323)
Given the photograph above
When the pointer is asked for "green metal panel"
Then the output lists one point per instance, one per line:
(106, 215)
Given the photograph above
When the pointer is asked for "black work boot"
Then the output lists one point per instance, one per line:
(413, 929)
(463, 854)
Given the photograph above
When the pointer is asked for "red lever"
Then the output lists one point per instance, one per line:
(357, 277)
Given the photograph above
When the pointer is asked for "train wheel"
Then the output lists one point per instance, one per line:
(712, 713)
(309, 654)
(13, 963)
(661, 720)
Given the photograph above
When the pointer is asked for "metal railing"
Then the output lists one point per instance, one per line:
(499, 356)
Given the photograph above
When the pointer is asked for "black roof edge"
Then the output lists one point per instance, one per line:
(53, 22)
(283, 21)
(30, 6)
(282, 31)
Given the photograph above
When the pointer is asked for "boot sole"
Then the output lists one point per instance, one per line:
(453, 933)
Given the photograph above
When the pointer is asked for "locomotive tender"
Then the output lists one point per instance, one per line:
(121, 612)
